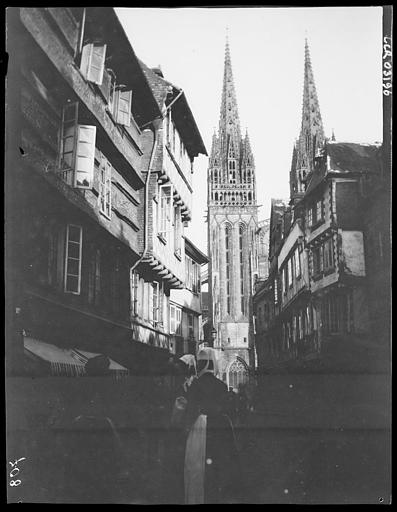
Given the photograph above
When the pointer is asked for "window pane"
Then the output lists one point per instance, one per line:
(73, 266)
(74, 234)
(72, 284)
(73, 250)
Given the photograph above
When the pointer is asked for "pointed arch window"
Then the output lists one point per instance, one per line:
(228, 257)
(241, 256)
(232, 171)
(215, 252)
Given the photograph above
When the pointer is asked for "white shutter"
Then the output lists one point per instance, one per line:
(123, 107)
(92, 63)
(85, 156)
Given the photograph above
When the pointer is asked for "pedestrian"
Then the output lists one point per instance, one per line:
(212, 471)
(184, 372)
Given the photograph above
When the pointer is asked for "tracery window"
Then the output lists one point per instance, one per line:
(228, 266)
(241, 245)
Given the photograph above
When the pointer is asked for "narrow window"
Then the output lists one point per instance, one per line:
(94, 278)
(228, 265)
(178, 329)
(297, 259)
(155, 302)
(172, 319)
(105, 184)
(134, 292)
(165, 211)
(310, 217)
(319, 210)
(177, 230)
(289, 267)
(190, 319)
(241, 254)
(72, 278)
(317, 267)
(328, 254)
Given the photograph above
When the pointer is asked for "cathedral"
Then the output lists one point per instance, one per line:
(232, 240)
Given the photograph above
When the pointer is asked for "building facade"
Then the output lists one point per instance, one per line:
(186, 305)
(89, 128)
(232, 238)
(323, 250)
(263, 249)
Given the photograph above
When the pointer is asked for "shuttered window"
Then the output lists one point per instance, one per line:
(85, 156)
(93, 62)
(123, 101)
(77, 153)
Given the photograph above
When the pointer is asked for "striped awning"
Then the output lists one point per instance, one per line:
(69, 362)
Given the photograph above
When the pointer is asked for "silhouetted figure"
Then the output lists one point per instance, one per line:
(212, 472)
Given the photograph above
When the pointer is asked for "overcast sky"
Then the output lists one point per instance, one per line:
(267, 51)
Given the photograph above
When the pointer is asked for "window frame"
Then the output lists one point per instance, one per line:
(165, 212)
(105, 187)
(67, 257)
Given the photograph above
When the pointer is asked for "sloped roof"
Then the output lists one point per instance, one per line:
(165, 92)
(345, 157)
(353, 157)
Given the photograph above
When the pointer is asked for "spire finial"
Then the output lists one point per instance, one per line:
(333, 136)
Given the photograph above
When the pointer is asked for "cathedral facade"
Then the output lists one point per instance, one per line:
(232, 239)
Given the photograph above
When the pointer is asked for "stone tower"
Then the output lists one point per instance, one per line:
(232, 239)
(311, 138)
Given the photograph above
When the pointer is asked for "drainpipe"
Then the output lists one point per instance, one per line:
(155, 128)
(155, 124)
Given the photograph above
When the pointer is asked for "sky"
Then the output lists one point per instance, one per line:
(267, 53)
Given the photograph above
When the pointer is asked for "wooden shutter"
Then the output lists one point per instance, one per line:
(93, 62)
(123, 107)
(85, 156)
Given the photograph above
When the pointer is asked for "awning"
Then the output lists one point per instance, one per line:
(69, 362)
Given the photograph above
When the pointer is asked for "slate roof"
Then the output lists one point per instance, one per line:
(352, 157)
(345, 157)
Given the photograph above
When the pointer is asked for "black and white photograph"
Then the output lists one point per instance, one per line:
(198, 254)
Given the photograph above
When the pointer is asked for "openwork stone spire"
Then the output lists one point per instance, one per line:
(231, 168)
(311, 138)
(229, 123)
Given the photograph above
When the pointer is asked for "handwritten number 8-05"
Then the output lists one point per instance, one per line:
(14, 472)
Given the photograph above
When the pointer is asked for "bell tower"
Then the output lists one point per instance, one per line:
(232, 238)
